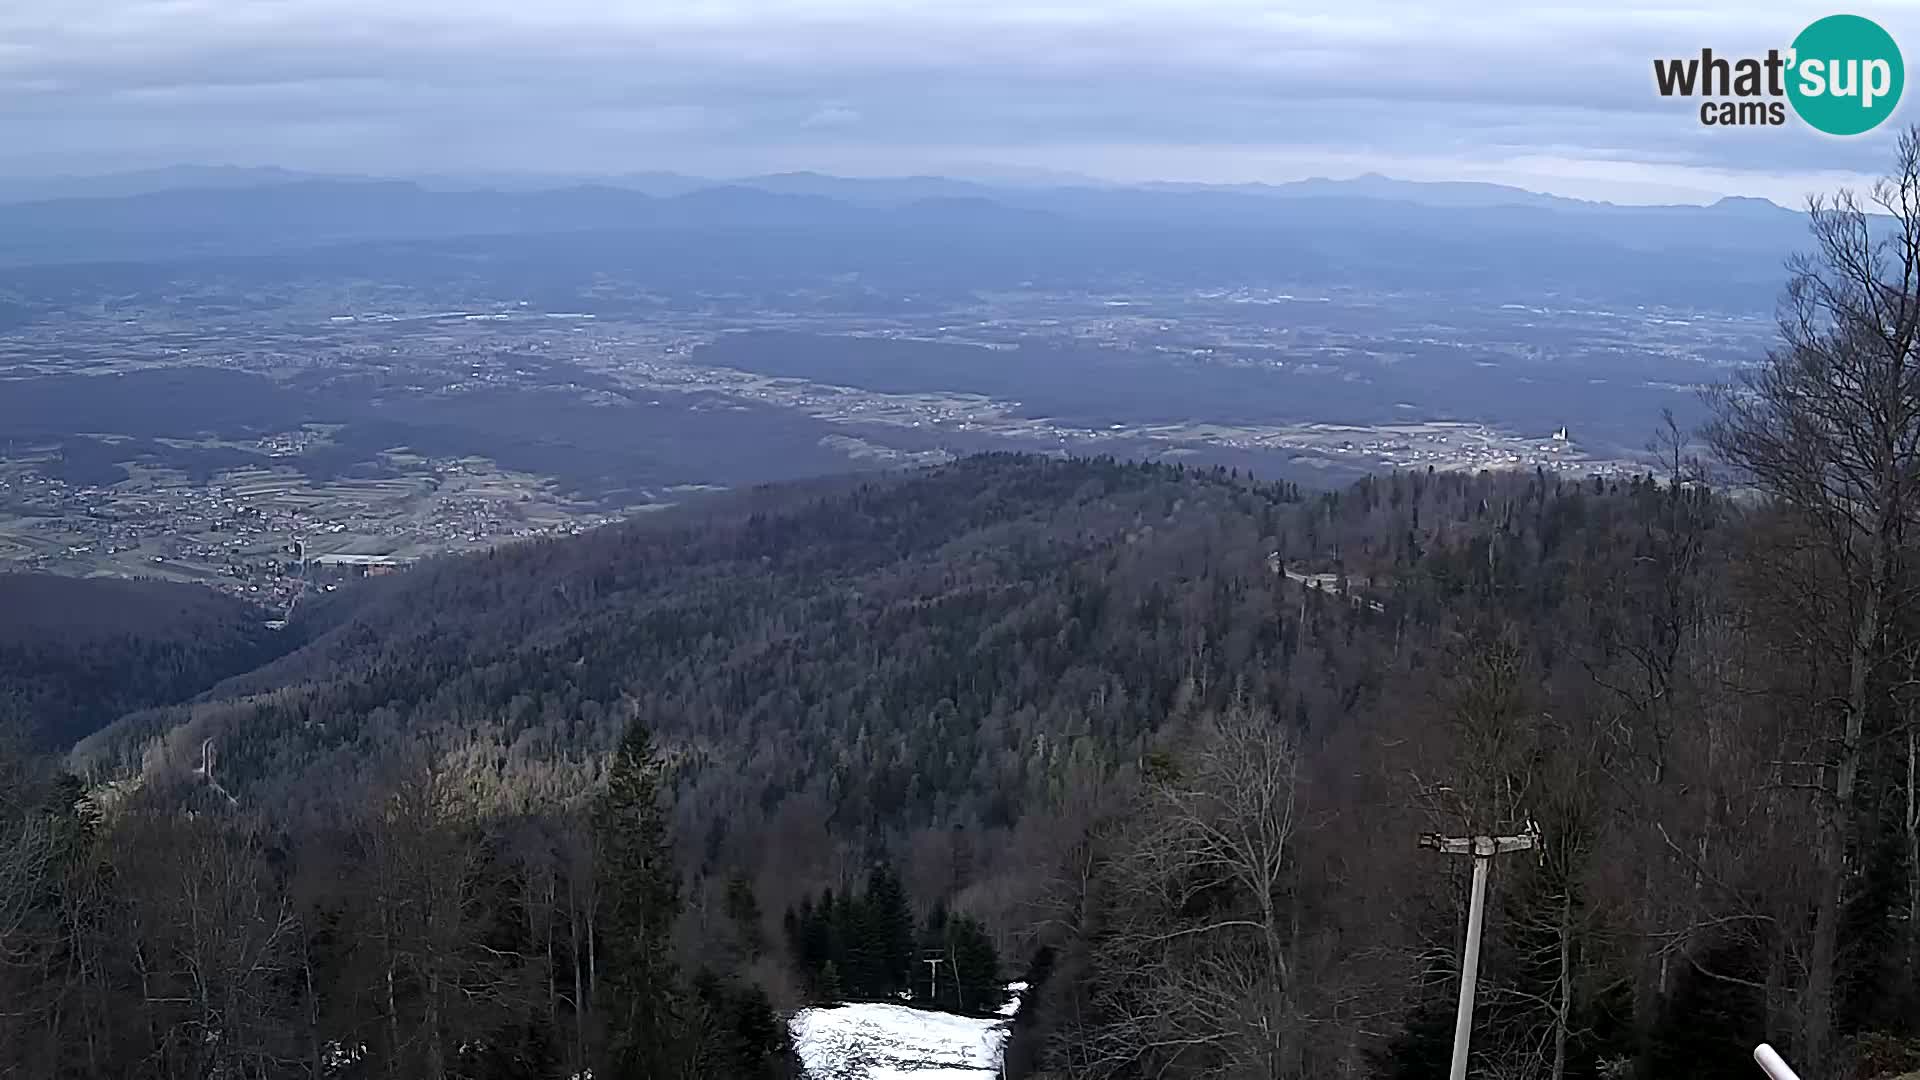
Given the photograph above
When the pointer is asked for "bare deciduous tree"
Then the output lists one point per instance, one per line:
(1829, 428)
(439, 976)
(1199, 953)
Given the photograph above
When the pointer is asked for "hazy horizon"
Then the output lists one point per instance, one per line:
(1558, 100)
(987, 174)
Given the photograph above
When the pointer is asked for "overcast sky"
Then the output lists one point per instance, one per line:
(1556, 98)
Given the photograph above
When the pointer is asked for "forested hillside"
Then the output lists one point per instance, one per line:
(1159, 741)
(917, 635)
(75, 654)
(1029, 691)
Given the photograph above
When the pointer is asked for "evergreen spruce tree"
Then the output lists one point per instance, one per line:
(890, 922)
(854, 934)
(970, 977)
(739, 1036)
(833, 947)
(792, 930)
(807, 945)
(640, 892)
(743, 908)
(976, 967)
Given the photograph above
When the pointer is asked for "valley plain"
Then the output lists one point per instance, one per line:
(182, 420)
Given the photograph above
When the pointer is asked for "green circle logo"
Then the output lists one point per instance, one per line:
(1846, 75)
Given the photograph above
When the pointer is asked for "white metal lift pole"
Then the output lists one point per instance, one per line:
(1483, 849)
(1470, 967)
(933, 977)
(1770, 1063)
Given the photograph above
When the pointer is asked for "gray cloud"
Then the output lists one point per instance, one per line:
(1228, 89)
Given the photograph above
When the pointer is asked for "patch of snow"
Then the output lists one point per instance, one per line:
(874, 1041)
(1015, 992)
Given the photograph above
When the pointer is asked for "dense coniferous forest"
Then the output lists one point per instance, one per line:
(1159, 741)
(78, 653)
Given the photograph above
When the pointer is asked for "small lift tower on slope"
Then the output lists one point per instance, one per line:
(1483, 849)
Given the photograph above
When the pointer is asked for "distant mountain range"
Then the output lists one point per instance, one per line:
(1371, 231)
(14, 189)
(192, 196)
(867, 190)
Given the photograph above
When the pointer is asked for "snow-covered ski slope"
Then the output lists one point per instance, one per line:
(873, 1041)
